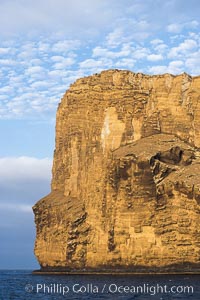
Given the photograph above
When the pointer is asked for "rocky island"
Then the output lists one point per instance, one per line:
(125, 194)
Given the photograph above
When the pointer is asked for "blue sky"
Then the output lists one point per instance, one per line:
(45, 45)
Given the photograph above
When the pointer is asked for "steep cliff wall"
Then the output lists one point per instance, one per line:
(126, 184)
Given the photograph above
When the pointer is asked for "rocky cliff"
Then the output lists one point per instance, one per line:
(126, 183)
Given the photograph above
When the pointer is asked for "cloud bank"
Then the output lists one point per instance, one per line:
(23, 181)
(22, 169)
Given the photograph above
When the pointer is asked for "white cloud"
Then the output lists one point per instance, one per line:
(156, 42)
(57, 74)
(35, 73)
(43, 46)
(23, 181)
(107, 53)
(183, 49)
(92, 63)
(178, 27)
(6, 89)
(7, 62)
(4, 51)
(158, 69)
(154, 57)
(174, 28)
(85, 20)
(193, 24)
(35, 62)
(127, 31)
(193, 63)
(125, 63)
(57, 58)
(59, 16)
(65, 46)
(99, 51)
(41, 85)
(15, 169)
(194, 36)
(63, 64)
(115, 38)
(34, 69)
(174, 67)
(140, 53)
(161, 48)
(3, 97)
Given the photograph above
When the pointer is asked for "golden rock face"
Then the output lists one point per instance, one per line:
(126, 184)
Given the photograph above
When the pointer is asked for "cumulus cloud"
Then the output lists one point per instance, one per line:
(161, 48)
(125, 63)
(7, 62)
(156, 42)
(154, 57)
(114, 38)
(36, 70)
(124, 51)
(193, 63)
(174, 67)
(158, 69)
(65, 46)
(128, 30)
(92, 63)
(174, 28)
(183, 48)
(64, 63)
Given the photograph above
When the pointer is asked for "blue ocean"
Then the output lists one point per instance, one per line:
(21, 284)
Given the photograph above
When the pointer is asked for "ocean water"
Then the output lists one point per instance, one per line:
(24, 285)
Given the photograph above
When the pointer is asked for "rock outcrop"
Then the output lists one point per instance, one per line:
(126, 176)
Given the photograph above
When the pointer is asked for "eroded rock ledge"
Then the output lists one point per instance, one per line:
(126, 184)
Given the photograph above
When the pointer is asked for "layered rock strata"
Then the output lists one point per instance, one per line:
(126, 184)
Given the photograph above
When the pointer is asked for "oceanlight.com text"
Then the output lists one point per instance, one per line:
(111, 288)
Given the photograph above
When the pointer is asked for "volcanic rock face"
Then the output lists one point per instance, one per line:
(126, 184)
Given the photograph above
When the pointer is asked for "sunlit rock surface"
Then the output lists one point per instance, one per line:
(126, 176)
